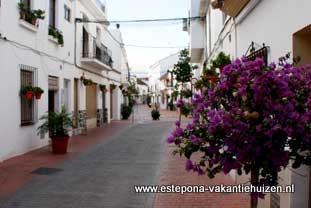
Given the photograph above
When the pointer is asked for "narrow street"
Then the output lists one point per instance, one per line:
(102, 176)
(105, 173)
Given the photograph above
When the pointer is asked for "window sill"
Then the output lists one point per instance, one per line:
(28, 26)
(52, 39)
(30, 123)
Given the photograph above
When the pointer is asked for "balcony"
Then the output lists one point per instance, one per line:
(96, 55)
(230, 7)
(197, 30)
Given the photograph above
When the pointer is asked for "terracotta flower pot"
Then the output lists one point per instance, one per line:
(212, 78)
(38, 96)
(22, 15)
(60, 145)
(34, 21)
(28, 95)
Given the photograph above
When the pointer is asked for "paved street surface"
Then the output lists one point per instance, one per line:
(103, 176)
(102, 167)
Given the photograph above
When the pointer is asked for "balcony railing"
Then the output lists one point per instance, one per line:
(93, 50)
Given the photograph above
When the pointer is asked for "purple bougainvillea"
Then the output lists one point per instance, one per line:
(254, 120)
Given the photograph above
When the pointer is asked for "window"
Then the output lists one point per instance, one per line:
(67, 13)
(28, 110)
(52, 20)
(27, 3)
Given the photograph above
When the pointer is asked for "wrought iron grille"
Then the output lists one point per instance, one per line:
(28, 76)
(261, 53)
(92, 49)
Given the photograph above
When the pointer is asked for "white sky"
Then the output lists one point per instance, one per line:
(149, 34)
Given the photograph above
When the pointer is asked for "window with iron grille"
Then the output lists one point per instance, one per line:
(28, 107)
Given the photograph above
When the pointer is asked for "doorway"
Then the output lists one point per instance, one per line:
(51, 101)
(53, 94)
(75, 105)
(91, 106)
(111, 102)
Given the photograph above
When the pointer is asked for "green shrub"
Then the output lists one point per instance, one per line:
(126, 111)
(155, 114)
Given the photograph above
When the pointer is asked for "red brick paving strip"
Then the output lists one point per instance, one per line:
(173, 172)
(16, 172)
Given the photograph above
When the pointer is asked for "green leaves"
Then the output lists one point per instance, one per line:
(57, 124)
(183, 70)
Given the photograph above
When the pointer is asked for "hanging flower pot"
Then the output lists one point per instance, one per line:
(28, 95)
(38, 96)
(38, 92)
(27, 92)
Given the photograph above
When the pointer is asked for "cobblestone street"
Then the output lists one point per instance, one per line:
(103, 167)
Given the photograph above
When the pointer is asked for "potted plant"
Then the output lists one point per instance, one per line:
(38, 92)
(113, 86)
(171, 105)
(39, 14)
(220, 62)
(199, 85)
(27, 92)
(155, 114)
(57, 35)
(87, 82)
(102, 88)
(22, 10)
(186, 93)
(126, 111)
(58, 126)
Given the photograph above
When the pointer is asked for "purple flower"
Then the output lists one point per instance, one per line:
(177, 123)
(194, 139)
(272, 65)
(179, 103)
(171, 139)
(178, 132)
(189, 165)
(190, 127)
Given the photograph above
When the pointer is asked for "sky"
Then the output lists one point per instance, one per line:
(168, 34)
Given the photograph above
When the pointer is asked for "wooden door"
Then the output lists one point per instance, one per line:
(91, 109)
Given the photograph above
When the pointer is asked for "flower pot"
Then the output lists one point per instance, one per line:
(34, 21)
(28, 95)
(212, 78)
(22, 15)
(38, 96)
(60, 145)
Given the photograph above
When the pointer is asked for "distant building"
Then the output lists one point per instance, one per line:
(160, 87)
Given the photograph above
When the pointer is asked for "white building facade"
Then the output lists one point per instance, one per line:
(243, 28)
(32, 56)
(160, 79)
